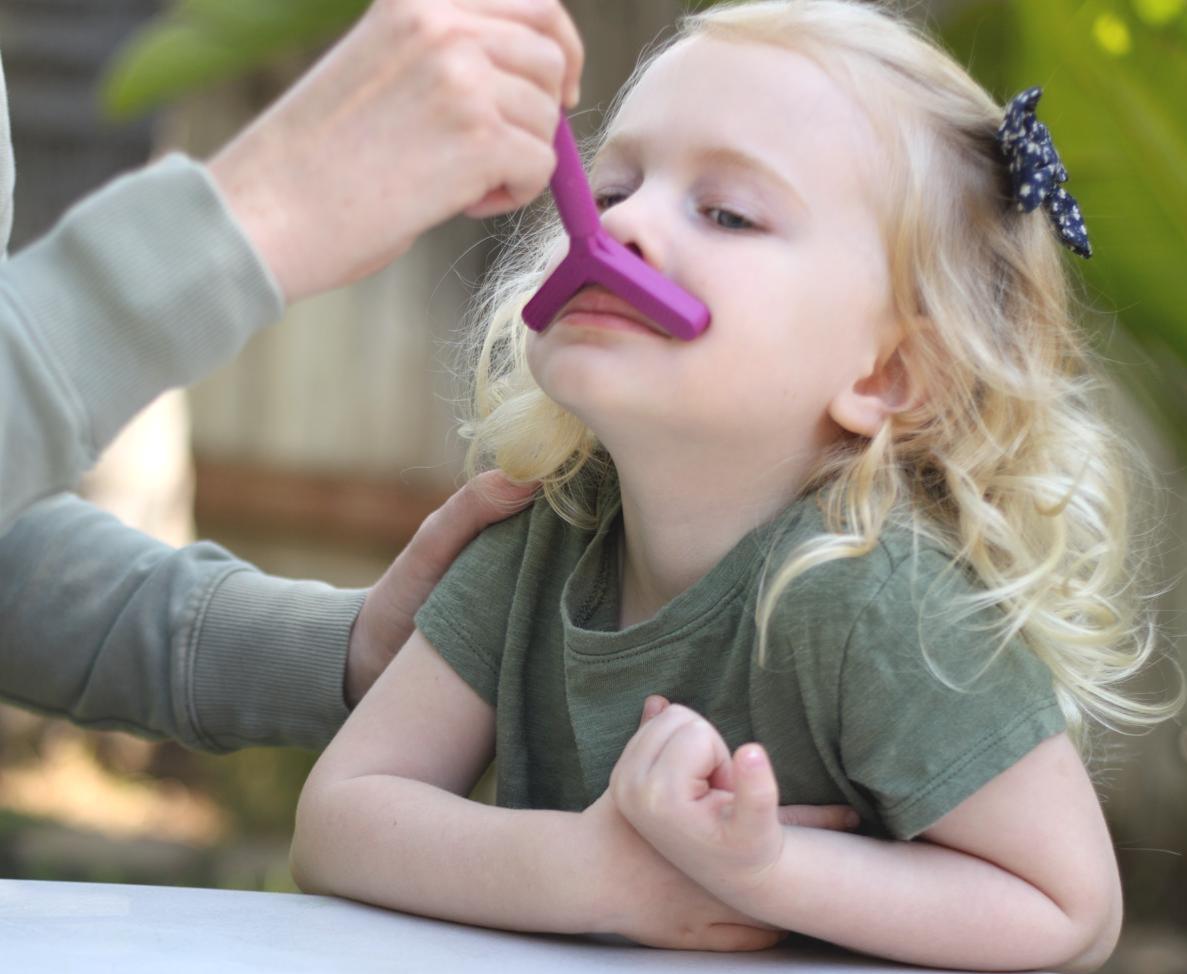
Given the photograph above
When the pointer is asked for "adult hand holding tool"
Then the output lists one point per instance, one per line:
(427, 108)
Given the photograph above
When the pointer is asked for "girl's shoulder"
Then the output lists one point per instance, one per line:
(835, 603)
(836, 571)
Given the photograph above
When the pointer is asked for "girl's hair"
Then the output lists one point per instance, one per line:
(1003, 462)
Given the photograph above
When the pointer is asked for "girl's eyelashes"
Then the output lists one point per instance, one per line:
(728, 219)
(605, 199)
(721, 217)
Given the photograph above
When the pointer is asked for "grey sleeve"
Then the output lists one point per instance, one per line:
(112, 629)
(146, 285)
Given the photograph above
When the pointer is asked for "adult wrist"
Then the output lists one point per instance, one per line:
(253, 203)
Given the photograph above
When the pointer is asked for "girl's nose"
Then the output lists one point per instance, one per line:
(637, 223)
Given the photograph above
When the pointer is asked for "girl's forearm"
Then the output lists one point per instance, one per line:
(409, 846)
(921, 903)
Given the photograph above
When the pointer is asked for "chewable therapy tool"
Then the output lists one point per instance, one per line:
(596, 258)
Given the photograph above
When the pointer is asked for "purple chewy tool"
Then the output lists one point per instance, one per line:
(595, 257)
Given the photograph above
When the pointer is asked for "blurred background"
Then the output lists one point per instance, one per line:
(320, 449)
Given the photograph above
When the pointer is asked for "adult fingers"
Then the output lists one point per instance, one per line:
(526, 163)
(492, 496)
(526, 107)
(837, 818)
(488, 498)
(548, 17)
(523, 52)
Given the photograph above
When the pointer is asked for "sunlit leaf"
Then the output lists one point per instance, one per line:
(201, 42)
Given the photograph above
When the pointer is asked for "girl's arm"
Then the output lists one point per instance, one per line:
(382, 819)
(1020, 875)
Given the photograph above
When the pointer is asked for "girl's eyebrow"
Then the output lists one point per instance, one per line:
(630, 147)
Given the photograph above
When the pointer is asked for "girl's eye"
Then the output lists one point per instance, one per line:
(727, 219)
(608, 198)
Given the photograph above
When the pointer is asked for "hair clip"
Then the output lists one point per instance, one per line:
(1037, 171)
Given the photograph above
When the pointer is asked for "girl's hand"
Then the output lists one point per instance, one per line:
(640, 895)
(714, 817)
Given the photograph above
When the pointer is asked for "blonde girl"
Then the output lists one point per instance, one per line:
(863, 542)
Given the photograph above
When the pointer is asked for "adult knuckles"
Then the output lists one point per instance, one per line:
(535, 175)
(459, 74)
(427, 24)
(541, 11)
(553, 57)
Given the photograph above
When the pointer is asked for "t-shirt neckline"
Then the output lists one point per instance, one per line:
(590, 599)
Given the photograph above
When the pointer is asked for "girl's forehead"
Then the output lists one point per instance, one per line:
(759, 98)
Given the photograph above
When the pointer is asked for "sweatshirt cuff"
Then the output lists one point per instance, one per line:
(266, 661)
(148, 284)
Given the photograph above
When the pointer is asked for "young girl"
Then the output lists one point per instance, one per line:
(867, 534)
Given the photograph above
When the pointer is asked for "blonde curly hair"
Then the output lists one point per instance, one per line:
(1005, 461)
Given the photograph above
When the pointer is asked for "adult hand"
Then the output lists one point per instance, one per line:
(386, 619)
(425, 109)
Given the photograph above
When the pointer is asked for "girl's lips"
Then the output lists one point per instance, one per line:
(596, 307)
(604, 319)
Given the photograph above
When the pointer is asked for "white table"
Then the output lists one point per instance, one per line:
(92, 928)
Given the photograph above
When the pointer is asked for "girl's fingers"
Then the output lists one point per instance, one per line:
(641, 751)
(654, 704)
(689, 759)
(756, 792)
(837, 818)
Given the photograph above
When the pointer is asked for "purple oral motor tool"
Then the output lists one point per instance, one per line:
(595, 257)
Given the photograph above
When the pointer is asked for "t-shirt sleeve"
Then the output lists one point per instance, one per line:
(931, 705)
(465, 617)
(912, 702)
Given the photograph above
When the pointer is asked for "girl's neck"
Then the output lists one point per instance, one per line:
(680, 519)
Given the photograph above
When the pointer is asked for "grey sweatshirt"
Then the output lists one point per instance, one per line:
(146, 285)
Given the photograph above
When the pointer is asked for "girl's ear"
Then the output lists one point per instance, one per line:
(866, 405)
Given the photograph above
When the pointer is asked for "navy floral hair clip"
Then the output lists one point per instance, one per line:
(1037, 172)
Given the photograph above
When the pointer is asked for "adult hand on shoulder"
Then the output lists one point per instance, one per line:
(386, 619)
(425, 109)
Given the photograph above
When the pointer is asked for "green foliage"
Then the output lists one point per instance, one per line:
(200, 42)
(1114, 73)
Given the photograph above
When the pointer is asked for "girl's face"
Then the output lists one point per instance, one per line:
(746, 174)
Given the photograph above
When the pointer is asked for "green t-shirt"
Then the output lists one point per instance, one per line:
(844, 700)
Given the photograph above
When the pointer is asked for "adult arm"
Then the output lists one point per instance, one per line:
(443, 105)
(148, 284)
(110, 628)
